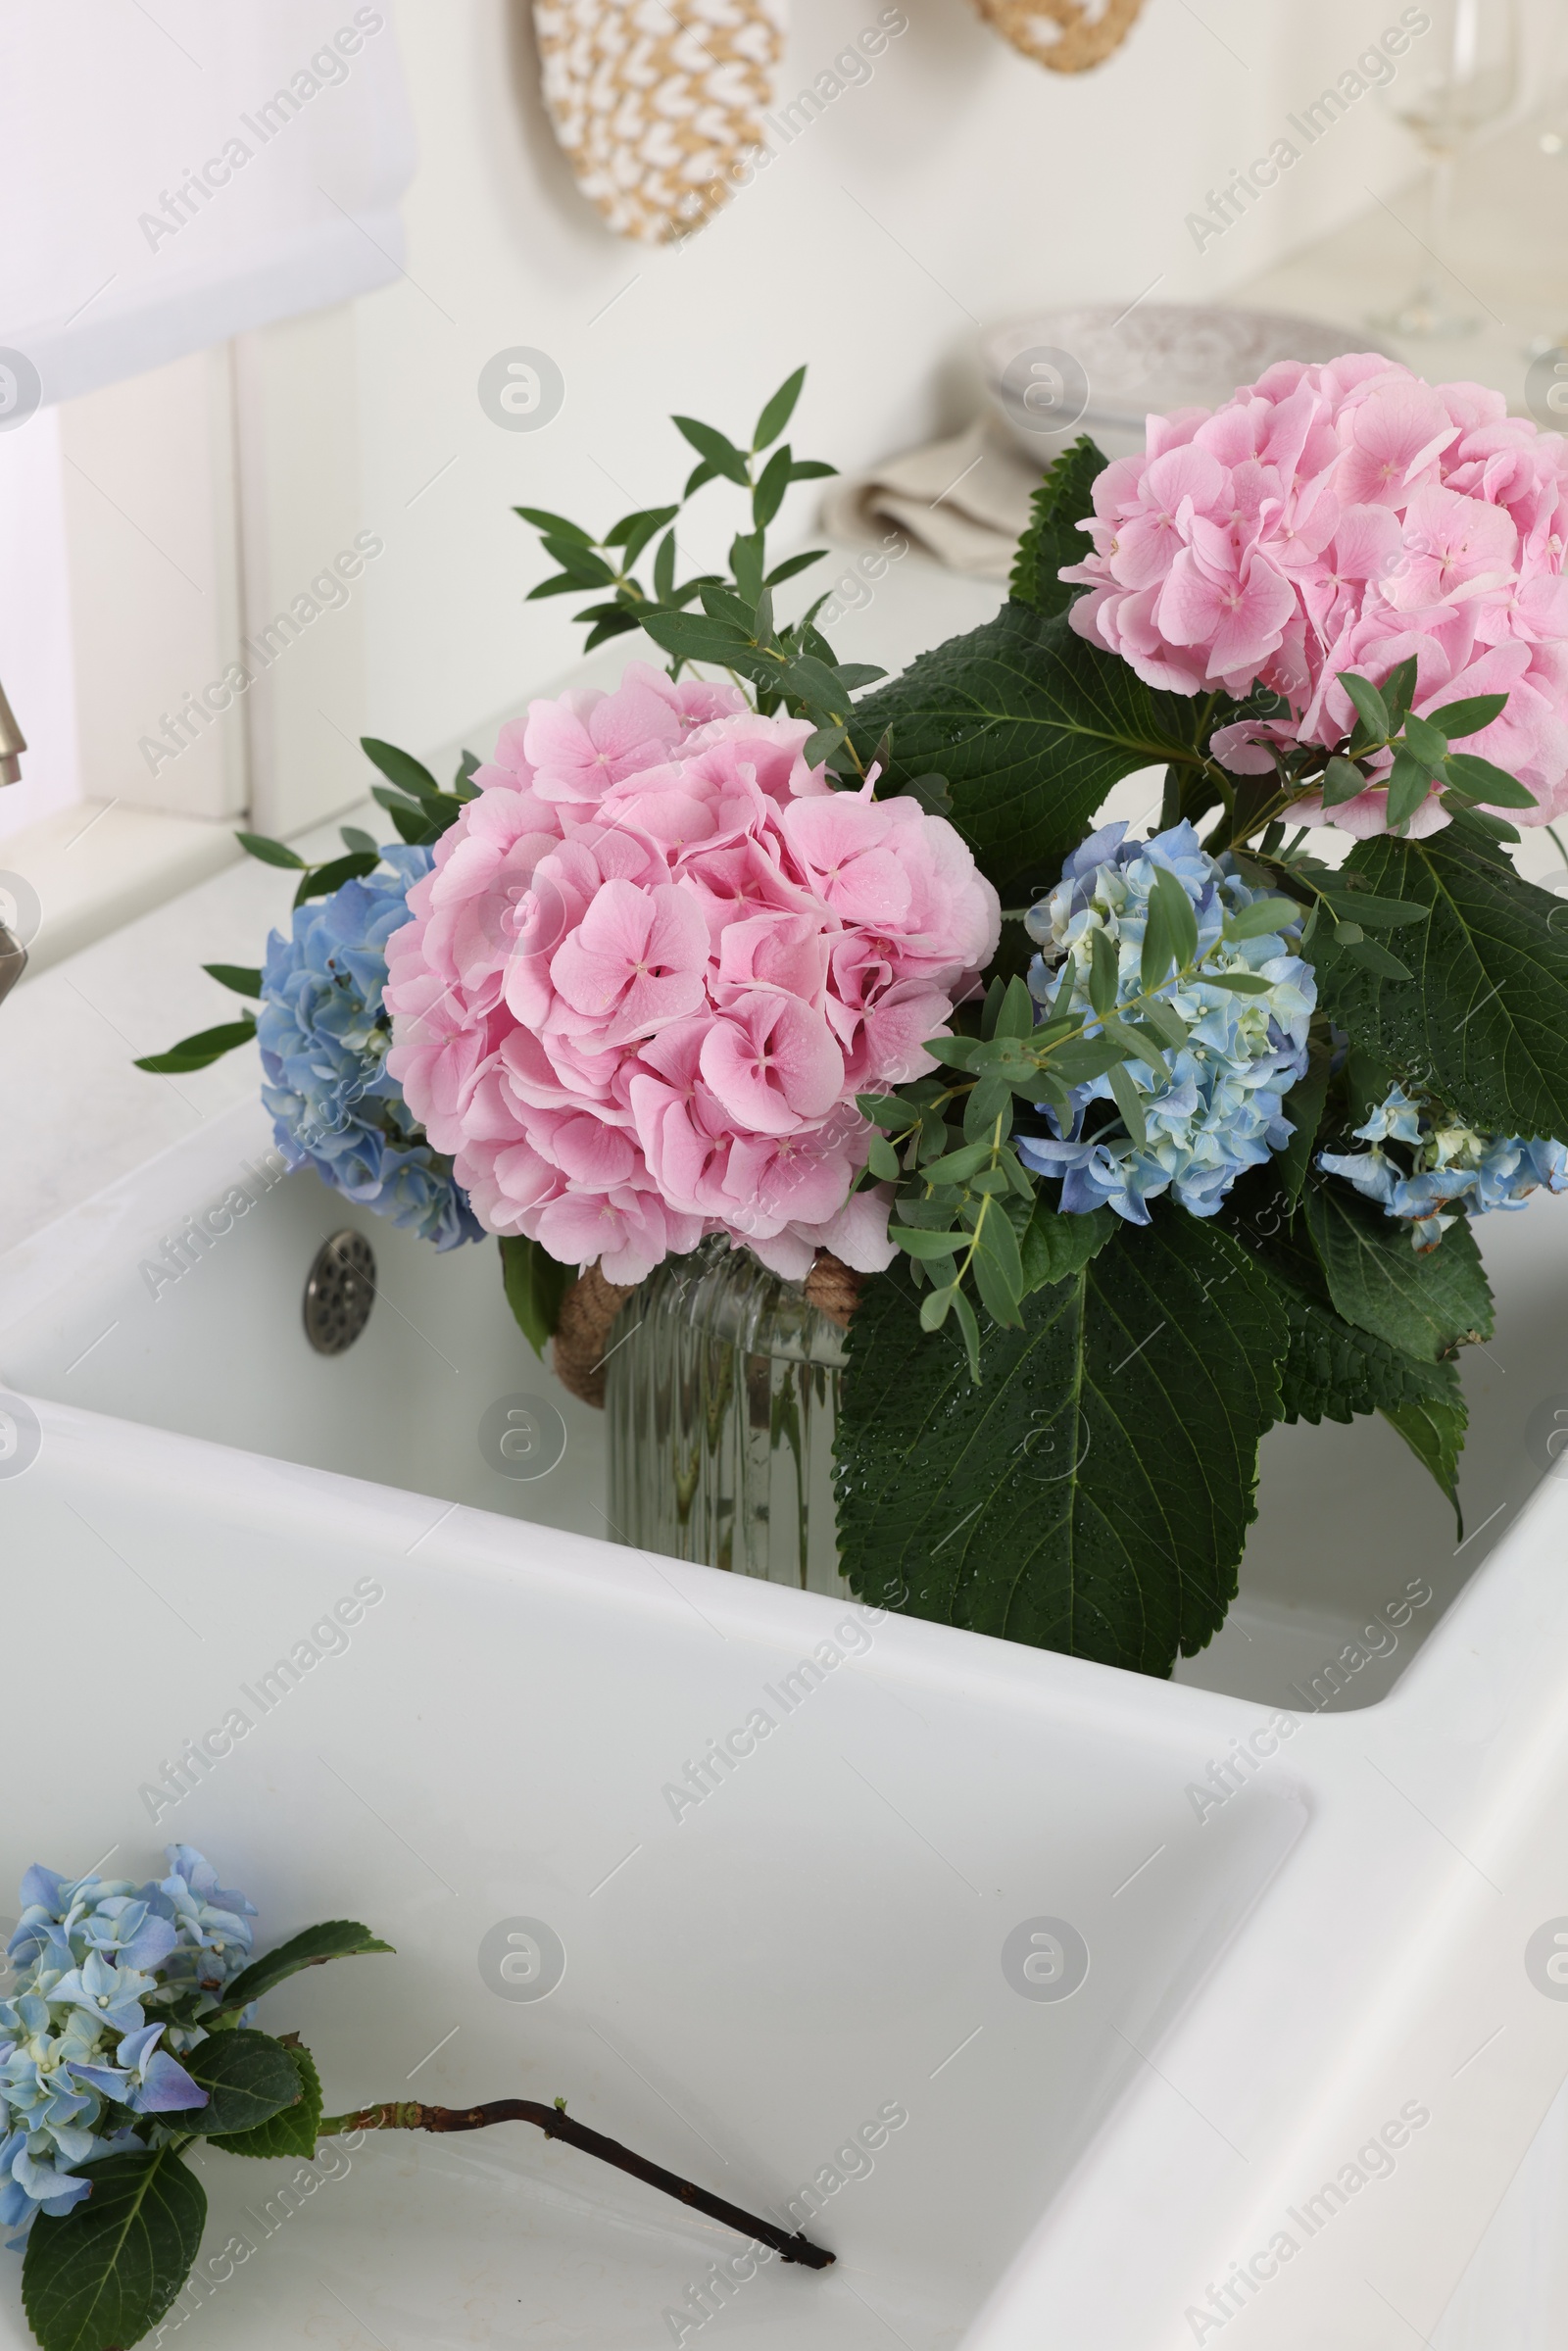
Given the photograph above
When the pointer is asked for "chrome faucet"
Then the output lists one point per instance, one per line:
(12, 743)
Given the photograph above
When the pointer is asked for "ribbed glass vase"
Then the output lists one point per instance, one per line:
(722, 1392)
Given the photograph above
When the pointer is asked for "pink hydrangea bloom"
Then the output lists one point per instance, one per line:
(654, 963)
(1343, 517)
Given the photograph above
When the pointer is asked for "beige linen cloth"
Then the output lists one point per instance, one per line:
(964, 501)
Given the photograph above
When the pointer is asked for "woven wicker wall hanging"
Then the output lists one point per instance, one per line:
(1064, 34)
(654, 109)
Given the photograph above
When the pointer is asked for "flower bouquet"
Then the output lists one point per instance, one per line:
(1111, 1150)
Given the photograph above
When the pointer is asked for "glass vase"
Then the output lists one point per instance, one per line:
(722, 1392)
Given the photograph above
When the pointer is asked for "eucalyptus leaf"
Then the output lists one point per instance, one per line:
(1381, 913)
(935, 1306)
(244, 979)
(792, 565)
(1457, 720)
(553, 526)
(1136, 1046)
(270, 853)
(321, 880)
(715, 452)
(1342, 781)
(1130, 1103)
(1375, 957)
(1263, 915)
(1480, 779)
(1157, 954)
(1370, 707)
(401, 767)
(777, 412)
(927, 1244)
(1429, 743)
(1105, 971)
(1409, 782)
(1181, 918)
(954, 1166)
(1398, 691)
(199, 1052)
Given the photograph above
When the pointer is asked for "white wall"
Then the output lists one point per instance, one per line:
(958, 186)
(963, 184)
(35, 637)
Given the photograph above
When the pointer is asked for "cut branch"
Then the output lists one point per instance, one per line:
(555, 2123)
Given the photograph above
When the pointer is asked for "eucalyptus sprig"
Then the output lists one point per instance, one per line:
(1419, 749)
(789, 664)
(966, 1204)
(421, 813)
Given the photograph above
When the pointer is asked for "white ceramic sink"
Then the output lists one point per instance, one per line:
(840, 1926)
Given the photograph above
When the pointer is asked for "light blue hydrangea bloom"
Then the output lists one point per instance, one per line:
(1221, 1108)
(1443, 1166)
(95, 1955)
(324, 1034)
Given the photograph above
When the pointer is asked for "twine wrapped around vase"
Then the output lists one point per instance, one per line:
(590, 1306)
(1066, 36)
(654, 108)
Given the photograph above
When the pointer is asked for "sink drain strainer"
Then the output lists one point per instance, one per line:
(339, 1292)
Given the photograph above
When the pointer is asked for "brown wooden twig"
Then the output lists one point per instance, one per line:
(556, 2123)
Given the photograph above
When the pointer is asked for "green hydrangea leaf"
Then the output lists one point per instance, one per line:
(1051, 537)
(247, 2076)
(312, 1947)
(1303, 1107)
(1032, 726)
(106, 2272)
(1054, 1247)
(1333, 1370)
(1094, 1494)
(292, 2130)
(1482, 1018)
(1426, 1302)
(536, 1283)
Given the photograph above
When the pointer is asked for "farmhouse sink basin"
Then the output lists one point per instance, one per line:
(1059, 2002)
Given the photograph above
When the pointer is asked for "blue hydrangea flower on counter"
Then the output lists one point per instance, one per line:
(324, 1034)
(1440, 1170)
(95, 1955)
(1219, 1109)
